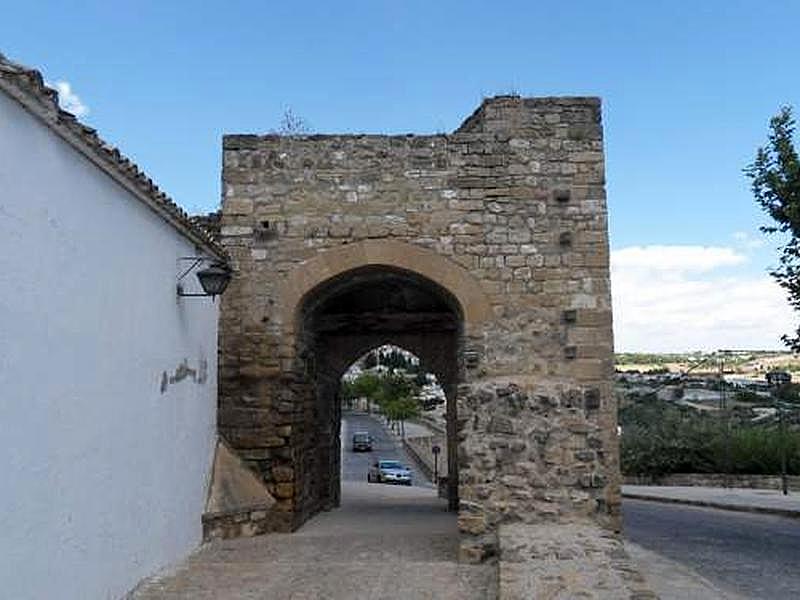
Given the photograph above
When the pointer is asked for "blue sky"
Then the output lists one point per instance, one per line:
(688, 89)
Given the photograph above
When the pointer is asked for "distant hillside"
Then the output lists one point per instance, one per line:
(745, 362)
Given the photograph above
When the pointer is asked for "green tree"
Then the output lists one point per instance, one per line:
(367, 385)
(775, 176)
(400, 409)
(395, 386)
(347, 393)
(394, 393)
(789, 392)
(749, 397)
(659, 438)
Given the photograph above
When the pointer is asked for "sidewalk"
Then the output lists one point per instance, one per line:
(740, 499)
(383, 543)
(672, 580)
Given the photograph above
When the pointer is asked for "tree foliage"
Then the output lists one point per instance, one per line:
(748, 397)
(789, 392)
(401, 409)
(775, 178)
(659, 438)
(394, 393)
(367, 385)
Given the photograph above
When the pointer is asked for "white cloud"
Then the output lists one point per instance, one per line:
(677, 258)
(747, 241)
(668, 298)
(69, 100)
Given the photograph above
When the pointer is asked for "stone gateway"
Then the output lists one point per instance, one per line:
(483, 252)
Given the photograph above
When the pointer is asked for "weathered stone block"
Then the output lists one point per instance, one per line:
(282, 474)
(239, 206)
(284, 490)
(228, 231)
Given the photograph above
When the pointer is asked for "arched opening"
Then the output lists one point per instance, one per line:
(393, 411)
(341, 320)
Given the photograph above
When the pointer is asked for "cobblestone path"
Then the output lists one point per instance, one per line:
(385, 542)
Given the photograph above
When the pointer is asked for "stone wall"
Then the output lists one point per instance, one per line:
(567, 561)
(508, 217)
(247, 522)
(421, 450)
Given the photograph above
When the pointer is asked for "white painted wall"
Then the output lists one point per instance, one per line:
(103, 476)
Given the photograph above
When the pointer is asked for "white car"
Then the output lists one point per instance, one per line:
(389, 471)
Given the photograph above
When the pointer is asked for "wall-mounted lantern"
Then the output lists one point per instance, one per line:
(213, 279)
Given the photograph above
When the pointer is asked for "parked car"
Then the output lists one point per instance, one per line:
(362, 442)
(389, 471)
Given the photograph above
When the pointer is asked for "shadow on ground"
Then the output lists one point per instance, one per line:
(384, 542)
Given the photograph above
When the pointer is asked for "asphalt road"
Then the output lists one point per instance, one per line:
(356, 464)
(756, 556)
(751, 555)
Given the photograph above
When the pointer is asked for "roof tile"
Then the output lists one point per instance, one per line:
(27, 86)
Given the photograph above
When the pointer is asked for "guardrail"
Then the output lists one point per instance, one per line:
(420, 449)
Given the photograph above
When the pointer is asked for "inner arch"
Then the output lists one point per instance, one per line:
(345, 317)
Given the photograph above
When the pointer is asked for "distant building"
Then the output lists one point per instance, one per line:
(777, 378)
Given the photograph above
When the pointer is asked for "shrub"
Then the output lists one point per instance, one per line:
(659, 439)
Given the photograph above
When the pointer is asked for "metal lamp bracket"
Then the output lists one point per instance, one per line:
(196, 261)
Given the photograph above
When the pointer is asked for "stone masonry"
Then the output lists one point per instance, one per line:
(485, 252)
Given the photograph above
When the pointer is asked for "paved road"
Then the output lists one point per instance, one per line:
(356, 464)
(755, 556)
(385, 542)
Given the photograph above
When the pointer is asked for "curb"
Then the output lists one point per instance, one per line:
(767, 510)
(421, 465)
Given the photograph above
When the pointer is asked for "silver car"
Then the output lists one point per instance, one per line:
(389, 471)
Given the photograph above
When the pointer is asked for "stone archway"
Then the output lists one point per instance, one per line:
(447, 274)
(349, 314)
(506, 215)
